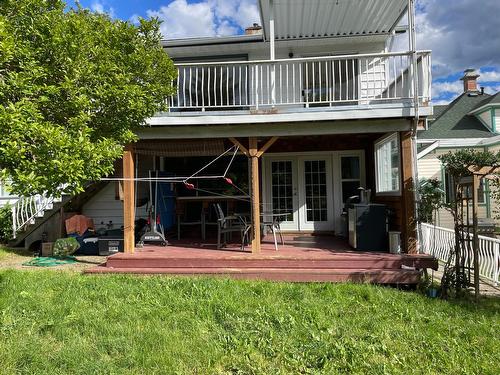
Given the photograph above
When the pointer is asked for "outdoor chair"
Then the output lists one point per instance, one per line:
(183, 220)
(228, 225)
(273, 223)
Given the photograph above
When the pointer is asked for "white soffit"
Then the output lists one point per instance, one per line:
(332, 18)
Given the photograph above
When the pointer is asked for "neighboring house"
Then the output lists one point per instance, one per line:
(317, 90)
(472, 121)
(5, 196)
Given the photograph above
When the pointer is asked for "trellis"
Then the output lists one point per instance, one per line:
(467, 236)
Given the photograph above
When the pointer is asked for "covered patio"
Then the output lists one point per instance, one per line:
(309, 177)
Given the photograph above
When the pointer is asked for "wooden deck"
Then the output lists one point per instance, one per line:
(302, 258)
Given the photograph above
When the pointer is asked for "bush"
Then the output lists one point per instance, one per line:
(65, 247)
(5, 223)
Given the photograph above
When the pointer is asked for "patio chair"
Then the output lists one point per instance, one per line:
(274, 224)
(230, 224)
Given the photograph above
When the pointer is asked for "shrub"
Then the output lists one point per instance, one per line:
(5, 223)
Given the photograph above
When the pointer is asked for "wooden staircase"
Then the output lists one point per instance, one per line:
(32, 217)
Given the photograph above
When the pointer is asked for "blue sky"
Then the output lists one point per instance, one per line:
(461, 33)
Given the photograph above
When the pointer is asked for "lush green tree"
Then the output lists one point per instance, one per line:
(74, 85)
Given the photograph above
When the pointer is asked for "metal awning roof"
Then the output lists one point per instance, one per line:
(331, 18)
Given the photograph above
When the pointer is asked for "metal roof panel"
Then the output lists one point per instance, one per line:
(330, 18)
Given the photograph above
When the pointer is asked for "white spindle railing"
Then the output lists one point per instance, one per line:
(27, 209)
(439, 242)
(306, 82)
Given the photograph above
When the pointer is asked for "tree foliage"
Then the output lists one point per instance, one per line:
(74, 86)
(431, 196)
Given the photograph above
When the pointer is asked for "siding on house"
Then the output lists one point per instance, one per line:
(104, 208)
(496, 117)
(486, 119)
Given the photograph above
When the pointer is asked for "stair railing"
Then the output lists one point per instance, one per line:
(27, 209)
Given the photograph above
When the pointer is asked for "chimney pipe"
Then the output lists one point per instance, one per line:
(482, 90)
(470, 80)
(255, 29)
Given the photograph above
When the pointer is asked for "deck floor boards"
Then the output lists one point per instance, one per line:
(302, 258)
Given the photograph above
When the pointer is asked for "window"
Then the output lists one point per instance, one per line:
(387, 164)
(449, 189)
(4, 191)
(350, 175)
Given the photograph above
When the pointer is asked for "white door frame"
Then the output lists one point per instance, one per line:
(334, 185)
(337, 178)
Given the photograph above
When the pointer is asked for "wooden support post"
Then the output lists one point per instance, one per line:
(475, 239)
(128, 200)
(408, 226)
(255, 196)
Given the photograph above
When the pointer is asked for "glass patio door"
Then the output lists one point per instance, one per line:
(315, 194)
(283, 191)
(302, 187)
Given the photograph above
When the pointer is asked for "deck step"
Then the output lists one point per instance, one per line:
(349, 262)
(372, 275)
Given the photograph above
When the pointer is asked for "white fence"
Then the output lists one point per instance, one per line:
(305, 82)
(440, 242)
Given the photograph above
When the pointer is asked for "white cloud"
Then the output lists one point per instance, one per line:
(447, 88)
(461, 33)
(205, 18)
(99, 7)
(489, 76)
(441, 102)
(181, 19)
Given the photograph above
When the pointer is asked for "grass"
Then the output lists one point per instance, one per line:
(58, 322)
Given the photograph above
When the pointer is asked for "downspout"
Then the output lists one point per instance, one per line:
(272, 53)
(415, 86)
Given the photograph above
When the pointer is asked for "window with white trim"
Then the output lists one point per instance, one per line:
(4, 191)
(387, 164)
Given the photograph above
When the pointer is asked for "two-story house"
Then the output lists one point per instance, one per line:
(317, 104)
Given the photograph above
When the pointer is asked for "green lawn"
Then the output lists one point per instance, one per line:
(62, 322)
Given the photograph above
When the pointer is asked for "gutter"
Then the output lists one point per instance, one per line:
(208, 41)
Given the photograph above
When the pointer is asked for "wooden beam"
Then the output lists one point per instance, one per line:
(476, 170)
(237, 143)
(269, 129)
(268, 144)
(255, 197)
(408, 225)
(128, 200)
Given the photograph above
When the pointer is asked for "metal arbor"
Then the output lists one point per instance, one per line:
(467, 236)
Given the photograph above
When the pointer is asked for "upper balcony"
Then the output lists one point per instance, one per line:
(365, 84)
(316, 84)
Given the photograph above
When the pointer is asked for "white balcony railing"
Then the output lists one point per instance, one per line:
(440, 242)
(383, 78)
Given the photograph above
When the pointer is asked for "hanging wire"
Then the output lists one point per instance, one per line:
(213, 161)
